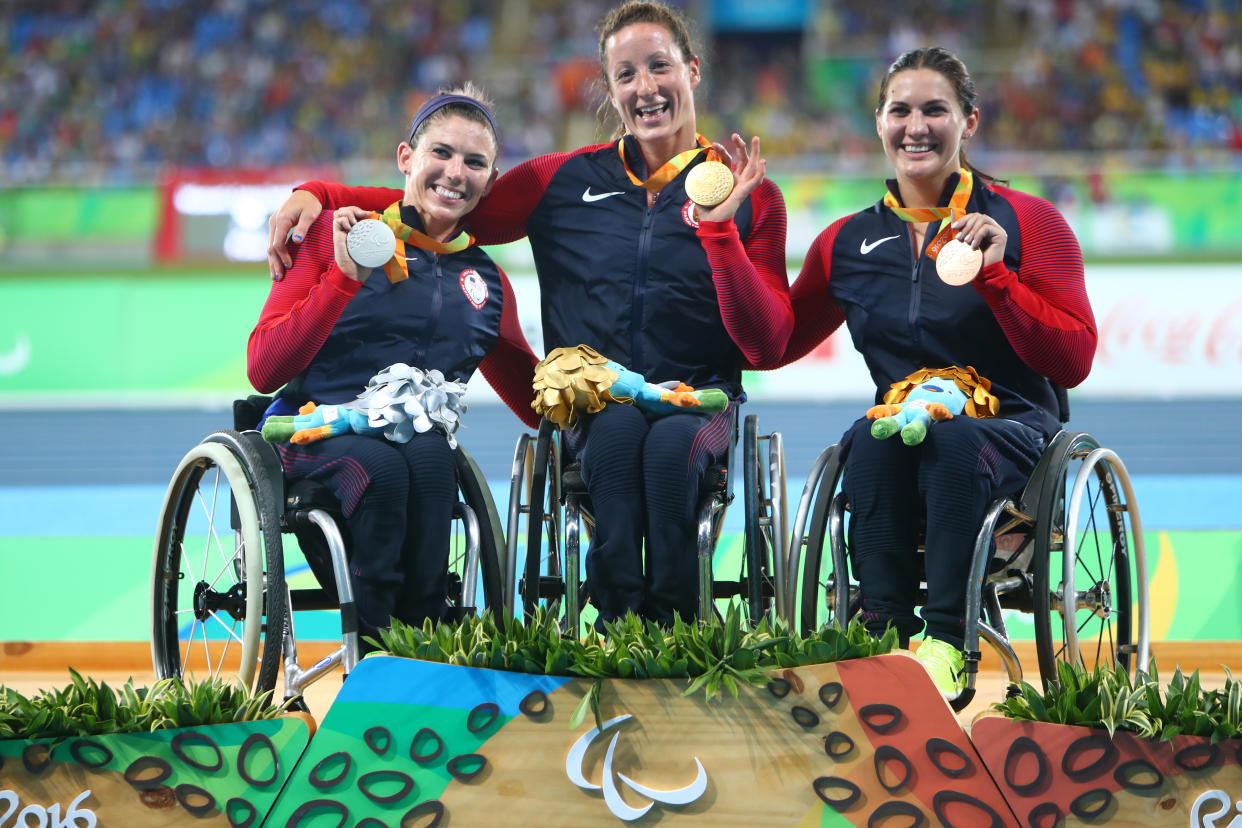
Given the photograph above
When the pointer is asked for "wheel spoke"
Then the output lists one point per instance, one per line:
(215, 579)
(207, 651)
(188, 562)
(211, 537)
(209, 512)
(1090, 534)
(189, 644)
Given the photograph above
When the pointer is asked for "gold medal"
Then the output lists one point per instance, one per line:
(709, 183)
(958, 263)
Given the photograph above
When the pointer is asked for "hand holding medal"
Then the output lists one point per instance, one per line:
(371, 243)
(978, 241)
(718, 185)
(958, 263)
(709, 183)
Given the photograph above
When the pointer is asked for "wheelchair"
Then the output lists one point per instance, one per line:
(550, 519)
(1068, 550)
(221, 604)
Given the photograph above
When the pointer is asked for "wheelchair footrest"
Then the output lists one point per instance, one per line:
(550, 586)
(730, 589)
(312, 599)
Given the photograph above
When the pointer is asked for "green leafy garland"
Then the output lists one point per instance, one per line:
(1111, 699)
(721, 653)
(87, 708)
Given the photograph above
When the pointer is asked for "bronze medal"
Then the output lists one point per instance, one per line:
(958, 263)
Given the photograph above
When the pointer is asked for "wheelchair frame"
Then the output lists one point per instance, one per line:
(552, 497)
(223, 597)
(1049, 510)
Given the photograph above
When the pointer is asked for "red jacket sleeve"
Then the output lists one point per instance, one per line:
(509, 367)
(498, 219)
(751, 282)
(1043, 309)
(300, 312)
(332, 195)
(815, 315)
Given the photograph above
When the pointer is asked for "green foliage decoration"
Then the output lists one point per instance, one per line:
(1112, 699)
(85, 707)
(713, 657)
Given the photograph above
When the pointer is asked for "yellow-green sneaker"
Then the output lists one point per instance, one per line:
(945, 664)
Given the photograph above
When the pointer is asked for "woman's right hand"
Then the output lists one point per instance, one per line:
(748, 168)
(342, 221)
(296, 214)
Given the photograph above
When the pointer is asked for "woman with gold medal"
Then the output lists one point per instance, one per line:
(949, 269)
(630, 265)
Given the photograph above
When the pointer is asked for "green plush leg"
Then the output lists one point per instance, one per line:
(712, 400)
(884, 428)
(278, 429)
(913, 433)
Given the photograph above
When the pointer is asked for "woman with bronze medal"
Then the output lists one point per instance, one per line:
(429, 302)
(950, 269)
(672, 270)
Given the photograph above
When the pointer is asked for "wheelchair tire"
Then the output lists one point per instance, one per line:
(819, 585)
(761, 545)
(543, 551)
(1098, 627)
(219, 611)
(475, 493)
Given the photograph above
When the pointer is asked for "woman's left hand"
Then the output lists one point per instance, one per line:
(982, 233)
(748, 171)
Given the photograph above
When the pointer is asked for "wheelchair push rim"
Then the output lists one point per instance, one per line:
(207, 614)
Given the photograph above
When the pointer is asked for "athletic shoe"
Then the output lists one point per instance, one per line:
(945, 664)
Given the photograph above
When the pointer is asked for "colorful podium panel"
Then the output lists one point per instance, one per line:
(861, 742)
(1060, 775)
(227, 775)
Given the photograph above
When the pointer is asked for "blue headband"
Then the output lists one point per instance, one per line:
(441, 101)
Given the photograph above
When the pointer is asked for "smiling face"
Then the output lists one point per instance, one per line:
(921, 124)
(448, 171)
(651, 86)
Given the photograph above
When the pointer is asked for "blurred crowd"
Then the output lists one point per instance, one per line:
(113, 89)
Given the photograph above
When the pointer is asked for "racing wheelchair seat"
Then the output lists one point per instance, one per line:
(221, 599)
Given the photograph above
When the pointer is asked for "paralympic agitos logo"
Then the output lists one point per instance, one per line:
(612, 796)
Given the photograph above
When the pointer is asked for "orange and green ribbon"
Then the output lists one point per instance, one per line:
(397, 269)
(955, 209)
(672, 168)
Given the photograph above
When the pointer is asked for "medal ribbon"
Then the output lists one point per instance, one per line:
(672, 168)
(956, 208)
(396, 270)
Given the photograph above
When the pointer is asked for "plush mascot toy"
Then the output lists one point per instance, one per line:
(397, 402)
(929, 395)
(572, 380)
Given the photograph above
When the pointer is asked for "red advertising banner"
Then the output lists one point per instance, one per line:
(209, 214)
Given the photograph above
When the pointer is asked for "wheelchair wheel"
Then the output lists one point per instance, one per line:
(535, 493)
(824, 598)
(464, 573)
(217, 580)
(1089, 569)
(767, 523)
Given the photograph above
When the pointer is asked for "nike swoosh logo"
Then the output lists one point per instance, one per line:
(15, 361)
(589, 196)
(865, 248)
